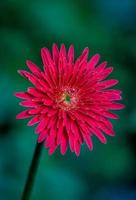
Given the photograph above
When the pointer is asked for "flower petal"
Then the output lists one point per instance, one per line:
(23, 95)
(77, 147)
(88, 142)
(28, 104)
(40, 126)
(33, 121)
(34, 68)
(99, 135)
(71, 54)
(42, 136)
(110, 115)
(106, 84)
(24, 114)
(55, 53)
(116, 106)
(93, 61)
(63, 145)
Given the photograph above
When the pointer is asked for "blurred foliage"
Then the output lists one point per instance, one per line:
(106, 27)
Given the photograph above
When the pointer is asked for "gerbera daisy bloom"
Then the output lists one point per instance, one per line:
(70, 100)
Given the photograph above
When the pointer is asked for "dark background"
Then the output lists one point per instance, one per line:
(107, 27)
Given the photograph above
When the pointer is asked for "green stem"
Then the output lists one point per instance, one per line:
(32, 172)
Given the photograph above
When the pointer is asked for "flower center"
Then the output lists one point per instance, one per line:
(67, 98)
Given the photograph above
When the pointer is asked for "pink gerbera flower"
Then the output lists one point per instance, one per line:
(69, 100)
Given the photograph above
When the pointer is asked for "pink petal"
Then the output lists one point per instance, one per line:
(116, 106)
(76, 131)
(71, 54)
(105, 73)
(49, 67)
(25, 74)
(52, 149)
(105, 129)
(88, 142)
(93, 61)
(83, 57)
(99, 135)
(35, 92)
(23, 95)
(40, 127)
(59, 134)
(33, 67)
(55, 53)
(71, 142)
(29, 76)
(49, 64)
(44, 110)
(33, 121)
(109, 95)
(77, 147)
(42, 136)
(28, 104)
(43, 84)
(100, 67)
(49, 141)
(52, 112)
(63, 50)
(24, 114)
(110, 115)
(63, 145)
(34, 111)
(115, 91)
(48, 102)
(51, 123)
(44, 57)
(106, 84)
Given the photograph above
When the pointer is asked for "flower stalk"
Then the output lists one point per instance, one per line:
(32, 172)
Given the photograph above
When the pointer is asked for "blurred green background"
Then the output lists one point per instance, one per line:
(107, 27)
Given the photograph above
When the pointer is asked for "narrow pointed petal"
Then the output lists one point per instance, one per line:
(24, 114)
(83, 56)
(28, 104)
(40, 127)
(23, 95)
(44, 57)
(77, 148)
(63, 50)
(116, 106)
(42, 136)
(33, 68)
(52, 149)
(55, 53)
(88, 142)
(93, 61)
(101, 67)
(64, 145)
(35, 111)
(106, 84)
(35, 92)
(99, 135)
(71, 142)
(105, 74)
(71, 54)
(110, 115)
(105, 129)
(33, 121)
